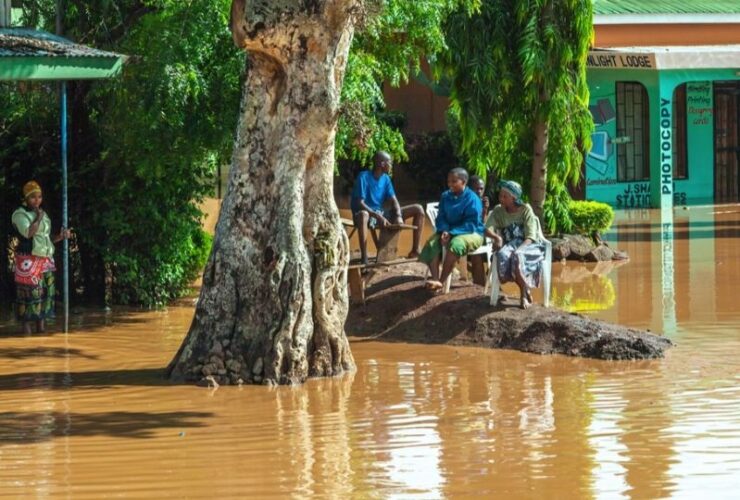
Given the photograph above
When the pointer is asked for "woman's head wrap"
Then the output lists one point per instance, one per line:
(514, 189)
(29, 188)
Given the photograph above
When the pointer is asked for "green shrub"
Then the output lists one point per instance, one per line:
(591, 217)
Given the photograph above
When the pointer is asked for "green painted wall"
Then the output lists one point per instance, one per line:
(661, 189)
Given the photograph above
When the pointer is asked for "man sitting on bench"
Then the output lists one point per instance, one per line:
(371, 191)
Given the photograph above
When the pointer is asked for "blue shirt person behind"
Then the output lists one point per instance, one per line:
(372, 191)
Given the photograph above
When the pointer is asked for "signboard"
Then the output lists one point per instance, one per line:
(624, 60)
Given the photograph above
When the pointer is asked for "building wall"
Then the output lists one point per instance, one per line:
(620, 35)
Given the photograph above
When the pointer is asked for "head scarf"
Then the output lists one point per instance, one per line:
(29, 188)
(514, 189)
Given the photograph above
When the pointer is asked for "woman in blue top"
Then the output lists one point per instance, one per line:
(459, 228)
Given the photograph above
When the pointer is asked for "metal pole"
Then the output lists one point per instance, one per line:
(65, 242)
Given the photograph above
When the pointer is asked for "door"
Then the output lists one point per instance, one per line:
(727, 142)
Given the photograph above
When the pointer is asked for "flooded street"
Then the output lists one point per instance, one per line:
(88, 415)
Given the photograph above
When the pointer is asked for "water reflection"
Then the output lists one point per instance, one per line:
(88, 415)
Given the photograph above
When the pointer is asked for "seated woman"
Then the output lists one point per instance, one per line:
(459, 228)
(514, 228)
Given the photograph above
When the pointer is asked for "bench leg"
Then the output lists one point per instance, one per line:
(479, 272)
(356, 286)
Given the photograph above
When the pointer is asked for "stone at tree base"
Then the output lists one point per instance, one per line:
(401, 309)
(560, 249)
(600, 254)
(579, 245)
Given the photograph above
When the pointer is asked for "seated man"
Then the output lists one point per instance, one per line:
(459, 228)
(371, 191)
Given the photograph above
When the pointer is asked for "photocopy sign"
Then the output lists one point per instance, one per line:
(599, 59)
(666, 147)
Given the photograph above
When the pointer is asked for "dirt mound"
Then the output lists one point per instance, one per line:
(399, 308)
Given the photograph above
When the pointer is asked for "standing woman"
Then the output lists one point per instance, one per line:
(515, 230)
(34, 260)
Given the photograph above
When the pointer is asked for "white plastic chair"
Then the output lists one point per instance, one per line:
(432, 210)
(495, 282)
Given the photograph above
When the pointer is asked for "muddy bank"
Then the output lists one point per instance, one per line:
(398, 308)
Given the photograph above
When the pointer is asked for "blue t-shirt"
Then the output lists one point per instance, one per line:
(374, 191)
(460, 214)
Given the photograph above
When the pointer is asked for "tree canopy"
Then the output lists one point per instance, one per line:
(512, 64)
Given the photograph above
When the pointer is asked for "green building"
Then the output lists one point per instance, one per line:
(667, 116)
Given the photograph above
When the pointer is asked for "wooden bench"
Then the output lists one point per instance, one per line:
(356, 281)
(386, 242)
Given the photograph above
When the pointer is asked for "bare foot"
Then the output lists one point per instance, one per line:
(413, 254)
(524, 302)
(434, 285)
(526, 298)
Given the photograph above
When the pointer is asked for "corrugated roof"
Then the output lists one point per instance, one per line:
(606, 7)
(25, 42)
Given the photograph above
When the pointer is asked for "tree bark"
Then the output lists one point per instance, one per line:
(274, 299)
(538, 187)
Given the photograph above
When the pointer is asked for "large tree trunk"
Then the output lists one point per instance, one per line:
(274, 300)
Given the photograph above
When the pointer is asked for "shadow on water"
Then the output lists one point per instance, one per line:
(85, 320)
(103, 379)
(43, 352)
(35, 427)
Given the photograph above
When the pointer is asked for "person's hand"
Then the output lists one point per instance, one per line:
(445, 238)
(64, 234)
(497, 241)
(39, 213)
(382, 221)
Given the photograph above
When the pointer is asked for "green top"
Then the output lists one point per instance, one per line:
(500, 219)
(42, 244)
(606, 7)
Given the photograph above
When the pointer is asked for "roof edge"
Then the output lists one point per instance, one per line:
(606, 19)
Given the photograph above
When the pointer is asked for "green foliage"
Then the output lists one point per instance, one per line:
(591, 217)
(512, 64)
(387, 50)
(431, 156)
(144, 146)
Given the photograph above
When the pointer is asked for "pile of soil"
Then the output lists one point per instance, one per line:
(399, 308)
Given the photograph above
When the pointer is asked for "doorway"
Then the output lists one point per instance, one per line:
(727, 142)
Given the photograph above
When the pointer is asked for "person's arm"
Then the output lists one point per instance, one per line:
(530, 227)
(441, 224)
(397, 208)
(64, 234)
(25, 225)
(492, 232)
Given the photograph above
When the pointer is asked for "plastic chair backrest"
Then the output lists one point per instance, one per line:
(432, 211)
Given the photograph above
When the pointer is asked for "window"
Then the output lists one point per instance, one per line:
(680, 163)
(633, 134)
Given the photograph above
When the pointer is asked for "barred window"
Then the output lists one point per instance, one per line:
(633, 133)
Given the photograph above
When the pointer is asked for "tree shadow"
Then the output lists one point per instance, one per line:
(82, 321)
(43, 352)
(35, 427)
(102, 379)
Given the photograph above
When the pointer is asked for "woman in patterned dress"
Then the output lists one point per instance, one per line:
(34, 260)
(515, 230)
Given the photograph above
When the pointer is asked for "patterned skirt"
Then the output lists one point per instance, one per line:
(36, 302)
(529, 261)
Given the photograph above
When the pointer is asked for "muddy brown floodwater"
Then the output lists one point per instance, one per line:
(86, 415)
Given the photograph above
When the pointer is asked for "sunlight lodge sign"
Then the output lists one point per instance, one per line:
(602, 59)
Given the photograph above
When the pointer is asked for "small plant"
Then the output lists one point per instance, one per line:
(590, 217)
